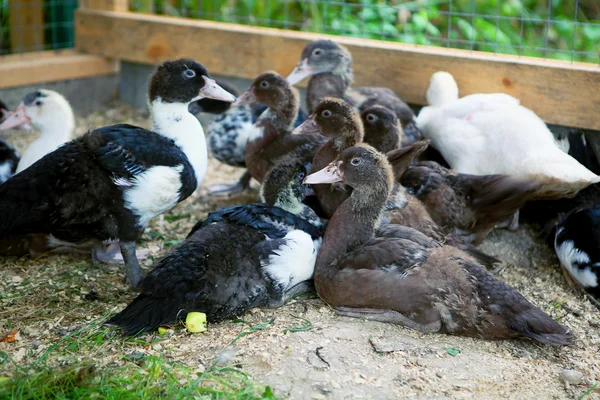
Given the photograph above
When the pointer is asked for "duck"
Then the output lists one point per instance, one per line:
(329, 66)
(50, 113)
(577, 245)
(238, 258)
(463, 206)
(228, 133)
(110, 182)
(9, 156)
(271, 139)
(395, 274)
(487, 134)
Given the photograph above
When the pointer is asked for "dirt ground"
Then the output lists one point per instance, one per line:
(304, 350)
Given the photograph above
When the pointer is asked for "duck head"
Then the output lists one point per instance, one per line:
(212, 106)
(322, 56)
(45, 110)
(442, 89)
(361, 167)
(382, 128)
(272, 90)
(183, 81)
(337, 120)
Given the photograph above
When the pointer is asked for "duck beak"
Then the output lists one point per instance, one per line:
(17, 120)
(329, 174)
(211, 90)
(248, 97)
(308, 126)
(302, 70)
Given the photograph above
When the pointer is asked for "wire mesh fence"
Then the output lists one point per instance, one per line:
(35, 25)
(557, 29)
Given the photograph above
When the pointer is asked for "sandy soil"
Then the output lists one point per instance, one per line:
(304, 350)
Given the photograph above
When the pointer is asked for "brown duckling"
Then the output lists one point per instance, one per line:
(330, 67)
(467, 206)
(272, 139)
(382, 129)
(396, 274)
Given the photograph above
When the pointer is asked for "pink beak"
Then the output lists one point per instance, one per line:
(302, 70)
(329, 174)
(308, 126)
(16, 120)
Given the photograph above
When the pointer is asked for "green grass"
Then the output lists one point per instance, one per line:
(69, 369)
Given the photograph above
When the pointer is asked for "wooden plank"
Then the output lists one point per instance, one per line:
(108, 5)
(50, 66)
(26, 25)
(560, 92)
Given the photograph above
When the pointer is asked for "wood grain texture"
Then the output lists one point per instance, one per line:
(108, 5)
(50, 66)
(26, 25)
(560, 92)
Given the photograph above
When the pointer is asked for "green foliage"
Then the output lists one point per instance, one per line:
(463, 24)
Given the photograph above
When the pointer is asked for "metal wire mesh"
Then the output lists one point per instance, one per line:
(558, 29)
(35, 25)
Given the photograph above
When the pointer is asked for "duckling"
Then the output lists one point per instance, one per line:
(577, 245)
(392, 273)
(241, 257)
(110, 182)
(330, 67)
(463, 206)
(486, 134)
(228, 134)
(50, 113)
(271, 139)
(9, 156)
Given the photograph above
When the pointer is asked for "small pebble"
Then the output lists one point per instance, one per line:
(571, 376)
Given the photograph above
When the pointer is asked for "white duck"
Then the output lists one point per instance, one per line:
(50, 113)
(485, 134)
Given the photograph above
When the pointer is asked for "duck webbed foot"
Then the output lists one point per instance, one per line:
(390, 316)
(111, 254)
(133, 272)
(298, 290)
(222, 189)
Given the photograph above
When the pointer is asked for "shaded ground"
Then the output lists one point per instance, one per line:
(302, 350)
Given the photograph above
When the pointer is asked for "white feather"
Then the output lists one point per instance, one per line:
(153, 192)
(294, 262)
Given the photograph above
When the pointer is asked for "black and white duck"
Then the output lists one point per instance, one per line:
(392, 273)
(110, 182)
(238, 258)
(330, 67)
(229, 131)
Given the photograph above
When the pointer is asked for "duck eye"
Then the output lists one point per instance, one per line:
(356, 161)
(301, 176)
(188, 73)
(326, 113)
(371, 118)
(317, 52)
(38, 103)
(264, 84)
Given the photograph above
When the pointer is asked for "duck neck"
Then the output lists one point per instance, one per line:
(174, 121)
(352, 225)
(350, 136)
(327, 84)
(283, 116)
(57, 130)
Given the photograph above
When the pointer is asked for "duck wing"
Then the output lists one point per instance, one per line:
(272, 221)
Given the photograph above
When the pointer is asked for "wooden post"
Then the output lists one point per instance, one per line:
(26, 25)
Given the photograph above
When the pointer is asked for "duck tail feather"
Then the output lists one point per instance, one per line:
(146, 313)
(500, 196)
(401, 158)
(539, 326)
